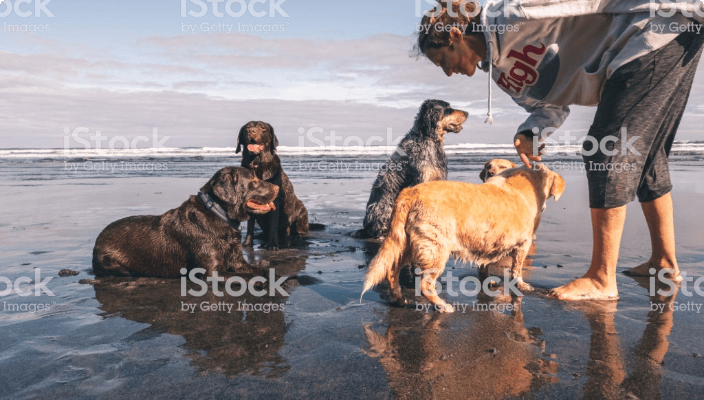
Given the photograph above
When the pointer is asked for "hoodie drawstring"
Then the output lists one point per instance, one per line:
(489, 116)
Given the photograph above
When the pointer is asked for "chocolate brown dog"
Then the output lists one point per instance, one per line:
(258, 141)
(202, 232)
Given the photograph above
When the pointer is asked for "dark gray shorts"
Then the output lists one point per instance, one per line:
(642, 104)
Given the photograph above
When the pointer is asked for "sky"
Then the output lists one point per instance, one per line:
(198, 70)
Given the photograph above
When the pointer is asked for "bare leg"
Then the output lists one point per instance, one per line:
(599, 283)
(659, 215)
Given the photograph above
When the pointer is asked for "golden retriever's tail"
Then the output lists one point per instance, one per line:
(391, 251)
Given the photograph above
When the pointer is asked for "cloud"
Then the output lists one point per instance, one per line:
(200, 88)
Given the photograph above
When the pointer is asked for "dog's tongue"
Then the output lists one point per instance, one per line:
(255, 147)
(258, 206)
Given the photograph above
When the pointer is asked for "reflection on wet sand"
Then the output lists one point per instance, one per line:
(606, 376)
(650, 351)
(481, 355)
(226, 341)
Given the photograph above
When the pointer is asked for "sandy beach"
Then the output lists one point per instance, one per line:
(138, 338)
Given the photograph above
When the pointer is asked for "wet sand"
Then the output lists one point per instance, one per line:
(130, 338)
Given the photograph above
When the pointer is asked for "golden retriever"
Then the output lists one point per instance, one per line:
(495, 167)
(480, 223)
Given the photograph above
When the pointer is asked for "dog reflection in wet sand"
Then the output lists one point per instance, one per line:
(245, 338)
(483, 355)
(480, 223)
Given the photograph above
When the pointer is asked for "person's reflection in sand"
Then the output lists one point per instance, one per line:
(649, 353)
(477, 355)
(605, 371)
(243, 339)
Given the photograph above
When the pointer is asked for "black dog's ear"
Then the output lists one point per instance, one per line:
(241, 138)
(428, 116)
(223, 185)
(274, 140)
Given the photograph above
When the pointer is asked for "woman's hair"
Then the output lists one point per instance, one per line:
(435, 26)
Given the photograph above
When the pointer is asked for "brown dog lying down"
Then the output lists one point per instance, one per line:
(202, 232)
(480, 223)
(495, 167)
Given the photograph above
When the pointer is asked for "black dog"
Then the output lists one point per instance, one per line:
(203, 232)
(420, 157)
(259, 142)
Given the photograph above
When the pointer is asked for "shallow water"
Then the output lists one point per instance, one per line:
(131, 338)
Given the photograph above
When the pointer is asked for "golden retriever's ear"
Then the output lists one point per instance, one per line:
(557, 187)
(482, 175)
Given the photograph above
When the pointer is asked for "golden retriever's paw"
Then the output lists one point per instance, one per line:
(524, 287)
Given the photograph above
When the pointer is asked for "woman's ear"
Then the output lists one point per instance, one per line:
(455, 35)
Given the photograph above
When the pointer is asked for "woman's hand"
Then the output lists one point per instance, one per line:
(524, 146)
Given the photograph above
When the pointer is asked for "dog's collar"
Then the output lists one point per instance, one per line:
(217, 210)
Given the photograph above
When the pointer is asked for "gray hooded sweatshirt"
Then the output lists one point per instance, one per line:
(548, 55)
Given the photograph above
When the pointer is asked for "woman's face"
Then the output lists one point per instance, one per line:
(457, 58)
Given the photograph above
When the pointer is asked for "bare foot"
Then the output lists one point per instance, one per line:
(585, 289)
(645, 270)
